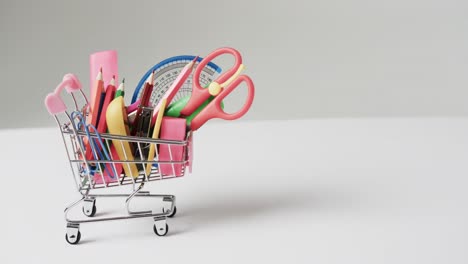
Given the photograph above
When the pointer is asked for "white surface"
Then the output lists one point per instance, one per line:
(334, 58)
(317, 191)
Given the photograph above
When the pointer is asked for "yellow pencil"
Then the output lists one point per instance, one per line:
(157, 127)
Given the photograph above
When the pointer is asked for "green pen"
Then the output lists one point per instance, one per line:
(120, 91)
(175, 108)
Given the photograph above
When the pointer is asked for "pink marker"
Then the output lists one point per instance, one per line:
(107, 60)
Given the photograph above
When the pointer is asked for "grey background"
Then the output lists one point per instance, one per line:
(307, 58)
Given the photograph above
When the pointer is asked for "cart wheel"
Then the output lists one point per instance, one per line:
(173, 212)
(89, 213)
(160, 231)
(73, 240)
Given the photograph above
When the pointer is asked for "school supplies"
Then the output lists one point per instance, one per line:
(178, 82)
(99, 151)
(219, 88)
(96, 99)
(166, 71)
(129, 155)
(175, 108)
(147, 91)
(102, 128)
(108, 61)
(95, 103)
(109, 96)
(101, 104)
(117, 124)
(190, 152)
(133, 106)
(110, 176)
(157, 127)
(143, 103)
(142, 129)
(121, 90)
(174, 129)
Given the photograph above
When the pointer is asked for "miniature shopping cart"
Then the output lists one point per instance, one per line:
(104, 171)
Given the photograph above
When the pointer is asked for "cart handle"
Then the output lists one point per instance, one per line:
(53, 102)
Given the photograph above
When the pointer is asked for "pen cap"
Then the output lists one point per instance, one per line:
(108, 61)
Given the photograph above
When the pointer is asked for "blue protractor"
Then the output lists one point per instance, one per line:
(167, 71)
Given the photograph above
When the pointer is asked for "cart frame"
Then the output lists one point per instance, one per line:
(104, 173)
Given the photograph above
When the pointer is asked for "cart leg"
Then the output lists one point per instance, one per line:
(89, 206)
(172, 209)
(130, 197)
(73, 234)
(160, 227)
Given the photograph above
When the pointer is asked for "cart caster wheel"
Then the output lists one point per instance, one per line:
(73, 239)
(173, 212)
(89, 213)
(161, 231)
(89, 207)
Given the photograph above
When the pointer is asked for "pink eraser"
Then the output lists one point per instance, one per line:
(172, 128)
(108, 61)
(190, 153)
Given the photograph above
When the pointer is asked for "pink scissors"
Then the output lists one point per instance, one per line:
(219, 88)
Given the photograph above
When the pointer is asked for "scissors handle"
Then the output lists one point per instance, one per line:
(201, 94)
(225, 75)
(214, 110)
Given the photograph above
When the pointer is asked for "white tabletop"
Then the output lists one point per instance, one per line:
(312, 191)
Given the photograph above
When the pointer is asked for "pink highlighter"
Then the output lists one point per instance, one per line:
(108, 61)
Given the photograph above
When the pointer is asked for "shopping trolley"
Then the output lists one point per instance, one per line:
(103, 171)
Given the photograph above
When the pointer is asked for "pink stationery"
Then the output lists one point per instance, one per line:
(172, 128)
(108, 61)
(190, 153)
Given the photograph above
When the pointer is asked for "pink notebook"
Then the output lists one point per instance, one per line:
(172, 128)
